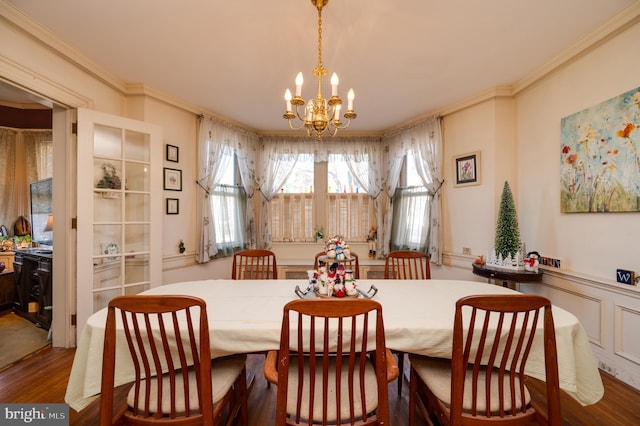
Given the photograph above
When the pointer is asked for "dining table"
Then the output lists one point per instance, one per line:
(245, 316)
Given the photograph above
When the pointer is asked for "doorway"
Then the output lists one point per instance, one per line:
(26, 122)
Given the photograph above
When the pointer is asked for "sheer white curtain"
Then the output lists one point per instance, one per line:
(278, 158)
(397, 150)
(428, 136)
(216, 140)
(279, 154)
(246, 148)
(424, 139)
(363, 156)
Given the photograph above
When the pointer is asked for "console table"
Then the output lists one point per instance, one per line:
(508, 277)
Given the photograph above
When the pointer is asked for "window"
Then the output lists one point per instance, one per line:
(339, 205)
(228, 204)
(300, 181)
(349, 209)
(411, 215)
(349, 215)
(341, 177)
(292, 216)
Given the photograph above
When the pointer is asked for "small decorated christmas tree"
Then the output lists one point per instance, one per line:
(507, 232)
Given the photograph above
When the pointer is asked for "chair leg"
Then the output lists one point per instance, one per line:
(401, 369)
(417, 397)
(268, 382)
(240, 403)
(413, 390)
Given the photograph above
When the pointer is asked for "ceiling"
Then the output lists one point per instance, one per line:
(404, 58)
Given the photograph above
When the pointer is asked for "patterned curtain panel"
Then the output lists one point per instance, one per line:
(25, 156)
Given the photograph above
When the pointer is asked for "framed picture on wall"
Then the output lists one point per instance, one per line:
(173, 206)
(172, 153)
(172, 179)
(467, 169)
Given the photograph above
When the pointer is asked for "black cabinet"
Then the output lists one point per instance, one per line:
(33, 286)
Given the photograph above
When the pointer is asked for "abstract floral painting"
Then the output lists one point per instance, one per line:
(599, 157)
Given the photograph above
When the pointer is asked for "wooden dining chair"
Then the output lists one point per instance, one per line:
(332, 366)
(254, 264)
(353, 263)
(406, 265)
(176, 383)
(485, 379)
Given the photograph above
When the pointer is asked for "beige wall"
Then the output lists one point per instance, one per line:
(519, 140)
(592, 244)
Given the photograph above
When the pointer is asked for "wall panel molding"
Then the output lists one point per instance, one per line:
(627, 324)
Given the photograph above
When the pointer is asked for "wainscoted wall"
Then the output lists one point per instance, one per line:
(608, 311)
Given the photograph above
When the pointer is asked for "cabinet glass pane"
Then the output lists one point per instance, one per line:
(107, 174)
(136, 146)
(107, 275)
(137, 207)
(107, 141)
(137, 176)
(107, 207)
(136, 238)
(101, 299)
(136, 269)
(106, 240)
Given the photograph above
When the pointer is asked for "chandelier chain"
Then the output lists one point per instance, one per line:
(320, 70)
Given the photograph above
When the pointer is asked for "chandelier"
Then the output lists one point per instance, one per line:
(319, 115)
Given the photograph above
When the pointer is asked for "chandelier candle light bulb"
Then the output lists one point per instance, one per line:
(334, 84)
(287, 98)
(299, 82)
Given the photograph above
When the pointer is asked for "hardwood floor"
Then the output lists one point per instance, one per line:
(43, 377)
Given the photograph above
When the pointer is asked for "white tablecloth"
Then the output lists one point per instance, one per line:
(245, 316)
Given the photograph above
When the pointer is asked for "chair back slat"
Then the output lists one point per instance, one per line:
(332, 345)
(165, 343)
(407, 265)
(493, 337)
(254, 265)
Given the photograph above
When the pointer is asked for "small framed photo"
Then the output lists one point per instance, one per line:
(172, 153)
(172, 179)
(173, 206)
(467, 169)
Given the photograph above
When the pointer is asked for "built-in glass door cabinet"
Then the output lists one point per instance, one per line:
(119, 209)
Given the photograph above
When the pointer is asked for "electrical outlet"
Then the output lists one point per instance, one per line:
(608, 369)
(466, 250)
(624, 276)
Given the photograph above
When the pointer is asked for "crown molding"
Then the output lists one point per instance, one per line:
(48, 39)
(29, 81)
(489, 94)
(620, 22)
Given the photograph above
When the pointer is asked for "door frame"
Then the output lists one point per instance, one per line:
(63, 101)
